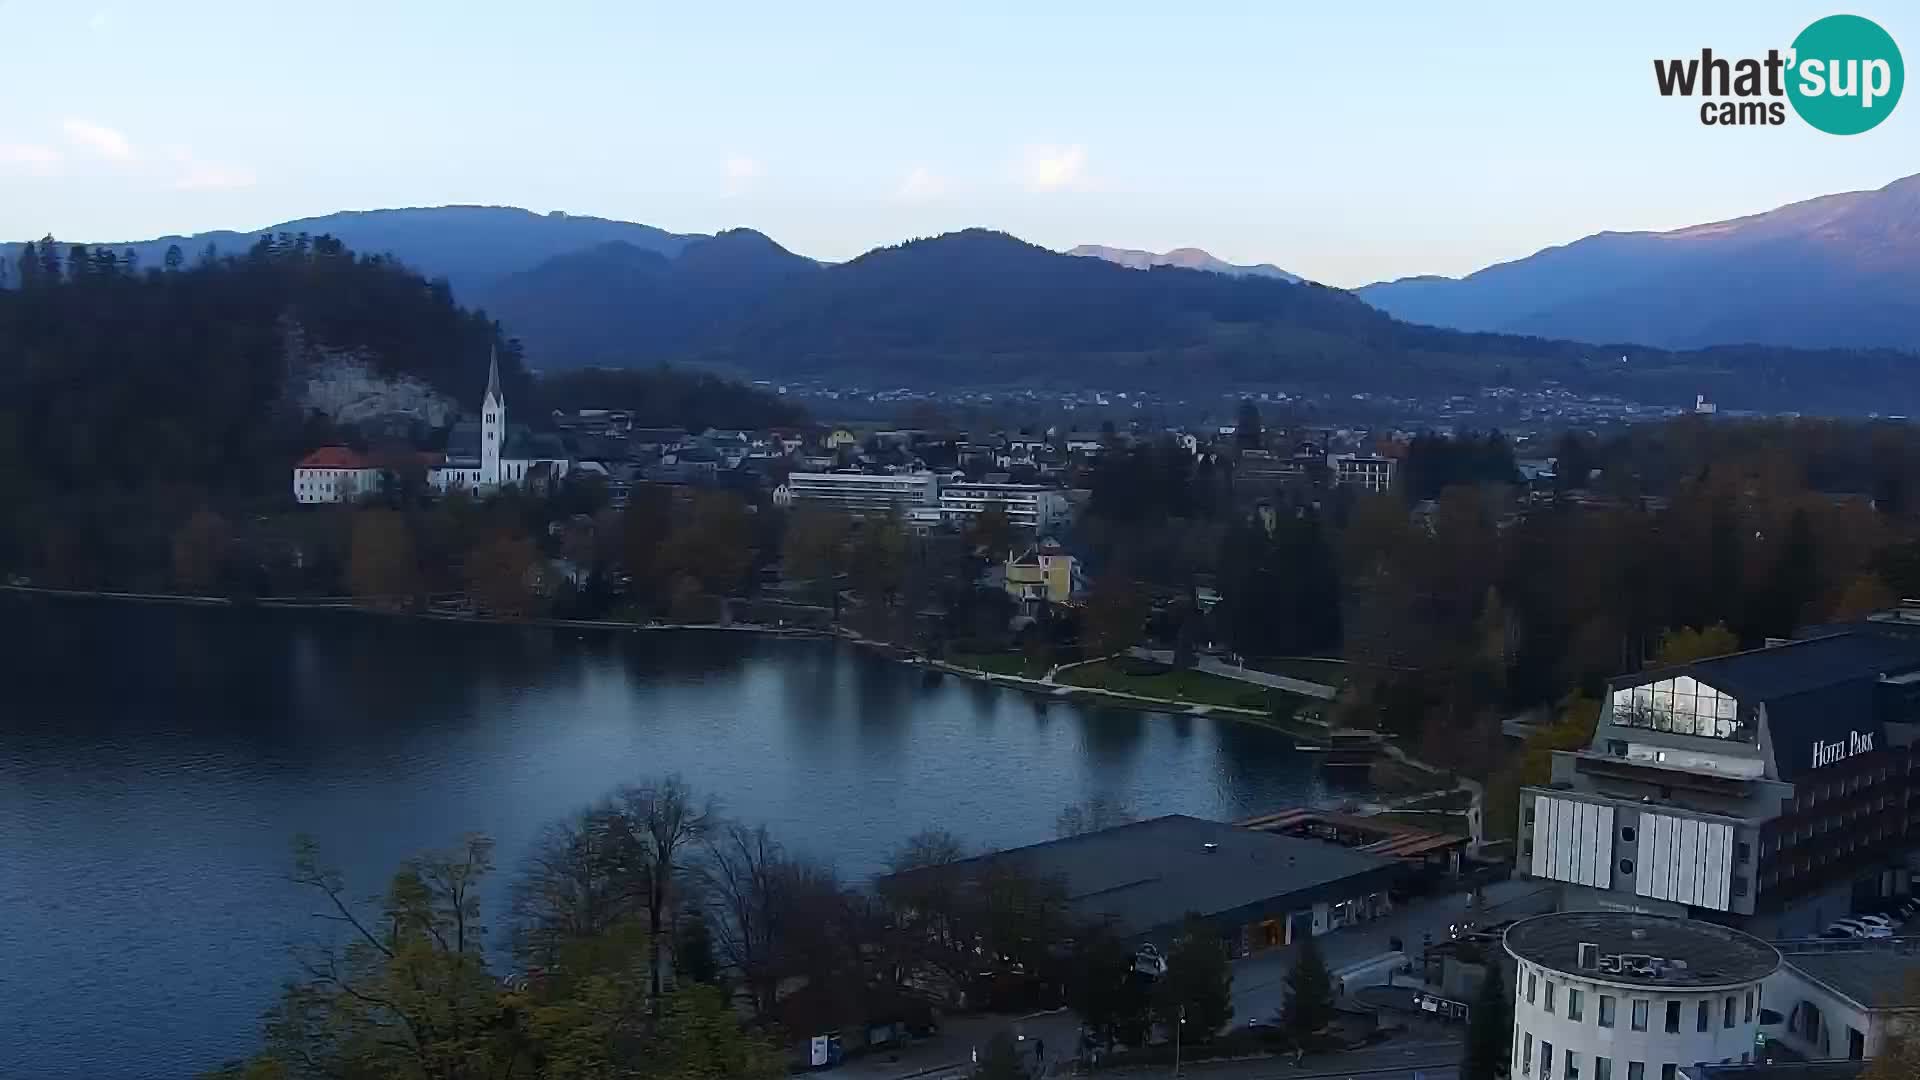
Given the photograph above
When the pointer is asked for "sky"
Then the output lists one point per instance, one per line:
(1345, 142)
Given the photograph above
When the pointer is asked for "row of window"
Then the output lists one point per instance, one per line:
(1576, 1007)
(1602, 1066)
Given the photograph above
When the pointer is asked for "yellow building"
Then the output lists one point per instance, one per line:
(841, 437)
(1043, 573)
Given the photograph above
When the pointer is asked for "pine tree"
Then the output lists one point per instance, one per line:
(1489, 1029)
(175, 258)
(1309, 1001)
(1198, 986)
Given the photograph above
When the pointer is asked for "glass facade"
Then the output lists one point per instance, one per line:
(1683, 706)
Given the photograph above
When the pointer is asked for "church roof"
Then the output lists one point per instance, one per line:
(334, 457)
(493, 375)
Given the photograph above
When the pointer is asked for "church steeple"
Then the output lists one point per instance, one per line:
(493, 425)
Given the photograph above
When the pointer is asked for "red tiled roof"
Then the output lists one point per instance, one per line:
(333, 457)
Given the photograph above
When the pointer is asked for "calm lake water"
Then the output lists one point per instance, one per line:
(155, 764)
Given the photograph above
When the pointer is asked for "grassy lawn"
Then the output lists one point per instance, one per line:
(1325, 672)
(1150, 680)
(999, 664)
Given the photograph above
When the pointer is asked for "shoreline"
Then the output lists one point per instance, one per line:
(1036, 688)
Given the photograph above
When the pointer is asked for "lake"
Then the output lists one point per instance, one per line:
(156, 763)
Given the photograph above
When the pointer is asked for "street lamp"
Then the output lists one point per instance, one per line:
(1176, 1042)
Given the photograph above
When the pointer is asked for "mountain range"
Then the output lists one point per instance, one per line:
(1187, 258)
(471, 246)
(983, 308)
(1839, 270)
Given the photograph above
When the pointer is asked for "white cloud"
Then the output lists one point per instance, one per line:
(29, 158)
(922, 185)
(193, 174)
(98, 139)
(739, 172)
(1053, 168)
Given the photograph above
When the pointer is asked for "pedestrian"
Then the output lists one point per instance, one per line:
(1039, 1051)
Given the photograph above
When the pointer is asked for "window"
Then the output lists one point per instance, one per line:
(1673, 1017)
(1573, 1066)
(1626, 866)
(1738, 886)
(1606, 1010)
(1639, 1014)
(1636, 1071)
(1550, 989)
(1626, 834)
(1728, 1022)
(1533, 986)
(1546, 1060)
(1702, 1022)
(1602, 1068)
(1574, 1009)
(1743, 852)
(1617, 747)
(1749, 1013)
(1668, 1071)
(1526, 1054)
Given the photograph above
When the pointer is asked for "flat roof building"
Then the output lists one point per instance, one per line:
(1257, 889)
(1767, 789)
(1841, 999)
(1612, 995)
(865, 493)
(1035, 507)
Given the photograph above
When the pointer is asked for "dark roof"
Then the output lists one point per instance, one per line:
(1712, 955)
(1153, 873)
(1874, 977)
(1796, 667)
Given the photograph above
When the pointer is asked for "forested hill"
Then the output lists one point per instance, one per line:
(130, 397)
(984, 308)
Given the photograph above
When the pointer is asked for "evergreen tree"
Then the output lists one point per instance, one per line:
(175, 258)
(1246, 429)
(1309, 992)
(1489, 1030)
(1198, 985)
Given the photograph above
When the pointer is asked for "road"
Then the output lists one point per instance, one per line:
(1258, 990)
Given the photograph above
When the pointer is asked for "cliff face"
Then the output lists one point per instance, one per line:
(347, 386)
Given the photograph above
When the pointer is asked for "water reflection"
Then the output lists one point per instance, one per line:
(157, 761)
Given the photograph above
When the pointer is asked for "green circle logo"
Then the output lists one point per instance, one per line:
(1846, 75)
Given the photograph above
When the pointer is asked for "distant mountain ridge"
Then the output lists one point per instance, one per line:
(614, 302)
(471, 246)
(1188, 258)
(1839, 270)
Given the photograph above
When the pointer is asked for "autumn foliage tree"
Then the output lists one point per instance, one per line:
(382, 567)
(502, 575)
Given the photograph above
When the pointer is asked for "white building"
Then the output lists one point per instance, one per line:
(334, 474)
(1611, 995)
(1365, 471)
(1841, 999)
(1028, 506)
(864, 493)
(484, 457)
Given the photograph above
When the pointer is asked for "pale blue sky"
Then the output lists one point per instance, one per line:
(1347, 142)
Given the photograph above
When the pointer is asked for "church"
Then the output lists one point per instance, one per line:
(487, 454)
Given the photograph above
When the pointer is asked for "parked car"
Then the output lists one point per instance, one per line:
(1836, 932)
(1877, 920)
(1864, 930)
